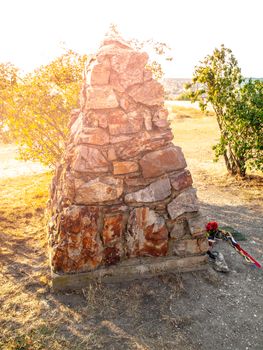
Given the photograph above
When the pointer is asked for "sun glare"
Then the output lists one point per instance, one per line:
(34, 31)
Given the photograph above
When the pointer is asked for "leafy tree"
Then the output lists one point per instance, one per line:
(39, 110)
(218, 82)
(8, 84)
(249, 109)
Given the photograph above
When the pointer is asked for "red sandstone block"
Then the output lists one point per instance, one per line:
(159, 162)
(112, 228)
(181, 180)
(190, 246)
(125, 167)
(147, 234)
(149, 93)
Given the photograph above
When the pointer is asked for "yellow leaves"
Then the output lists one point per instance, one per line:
(39, 107)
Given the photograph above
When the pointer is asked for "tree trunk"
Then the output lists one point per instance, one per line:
(234, 166)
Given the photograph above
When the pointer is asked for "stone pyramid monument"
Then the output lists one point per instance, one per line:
(122, 203)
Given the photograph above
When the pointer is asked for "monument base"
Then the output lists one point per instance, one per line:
(128, 270)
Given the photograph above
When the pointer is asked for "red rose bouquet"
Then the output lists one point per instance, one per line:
(214, 232)
(211, 229)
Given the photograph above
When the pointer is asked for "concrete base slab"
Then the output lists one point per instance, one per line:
(129, 270)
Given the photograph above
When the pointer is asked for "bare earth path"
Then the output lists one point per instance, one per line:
(190, 311)
(235, 306)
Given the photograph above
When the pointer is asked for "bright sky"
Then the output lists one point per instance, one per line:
(31, 31)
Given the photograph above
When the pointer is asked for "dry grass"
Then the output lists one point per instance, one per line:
(180, 112)
(22, 260)
(23, 200)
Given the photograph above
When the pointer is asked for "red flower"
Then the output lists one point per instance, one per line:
(211, 226)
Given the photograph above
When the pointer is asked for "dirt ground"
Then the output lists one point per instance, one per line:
(199, 310)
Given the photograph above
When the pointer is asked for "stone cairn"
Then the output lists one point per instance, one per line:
(122, 193)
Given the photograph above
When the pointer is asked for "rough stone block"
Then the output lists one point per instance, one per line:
(197, 225)
(120, 168)
(88, 159)
(122, 123)
(100, 98)
(70, 219)
(148, 121)
(179, 229)
(95, 118)
(111, 154)
(93, 136)
(112, 228)
(99, 190)
(120, 138)
(79, 246)
(115, 82)
(137, 182)
(147, 233)
(129, 66)
(154, 248)
(190, 246)
(103, 120)
(145, 141)
(98, 75)
(127, 103)
(113, 254)
(156, 191)
(149, 93)
(181, 180)
(161, 114)
(162, 124)
(159, 162)
(185, 202)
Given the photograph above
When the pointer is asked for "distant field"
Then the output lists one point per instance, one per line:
(186, 104)
(185, 109)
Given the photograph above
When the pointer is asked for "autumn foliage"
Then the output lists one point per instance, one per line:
(35, 109)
